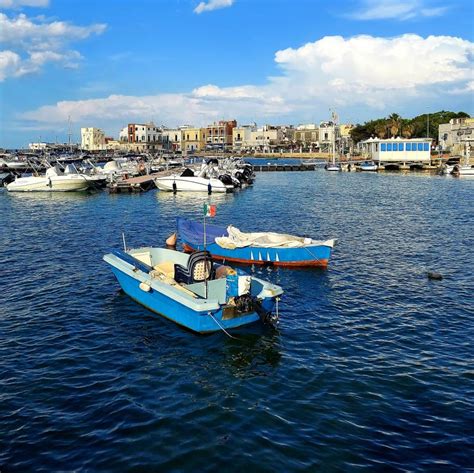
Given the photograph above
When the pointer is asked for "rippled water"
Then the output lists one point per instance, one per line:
(371, 367)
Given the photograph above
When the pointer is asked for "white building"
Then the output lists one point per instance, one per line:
(143, 137)
(92, 139)
(40, 146)
(397, 150)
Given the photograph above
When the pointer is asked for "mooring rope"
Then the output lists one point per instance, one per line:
(222, 328)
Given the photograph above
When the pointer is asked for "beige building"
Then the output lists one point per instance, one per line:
(457, 136)
(174, 137)
(92, 139)
(219, 135)
(241, 136)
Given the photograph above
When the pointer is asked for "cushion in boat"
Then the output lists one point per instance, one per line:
(166, 268)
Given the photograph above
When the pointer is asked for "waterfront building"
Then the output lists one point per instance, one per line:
(145, 137)
(457, 136)
(307, 136)
(266, 138)
(174, 137)
(398, 151)
(192, 139)
(40, 146)
(92, 139)
(241, 136)
(219, 135)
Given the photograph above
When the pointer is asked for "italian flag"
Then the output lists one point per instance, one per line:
(209, 210)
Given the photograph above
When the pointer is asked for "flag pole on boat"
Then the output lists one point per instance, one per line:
(209, 211)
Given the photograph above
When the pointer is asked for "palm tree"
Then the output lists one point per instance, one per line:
(394, 123)
(407, 129)
(381, 130)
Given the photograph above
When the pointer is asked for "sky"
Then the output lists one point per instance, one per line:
(111, 62)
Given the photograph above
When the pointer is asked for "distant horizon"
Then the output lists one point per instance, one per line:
(106, 64)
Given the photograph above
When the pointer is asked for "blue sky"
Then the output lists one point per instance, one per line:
(107, 63)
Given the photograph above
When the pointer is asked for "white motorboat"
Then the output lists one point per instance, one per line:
(53, 181)
(176, 182)
(368, 166)
(333, 167)
(462, 170)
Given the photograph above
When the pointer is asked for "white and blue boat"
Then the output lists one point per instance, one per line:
(193, 291)
(266, 248)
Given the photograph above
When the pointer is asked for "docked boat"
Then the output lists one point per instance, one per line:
(54, 180)
(187, 181)
(230, 244)
(191, 290)
(333, 167)
(462, 170)
(368, 166)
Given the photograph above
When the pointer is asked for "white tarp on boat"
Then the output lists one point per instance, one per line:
(238, 239)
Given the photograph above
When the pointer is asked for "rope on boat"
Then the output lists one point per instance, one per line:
(317, 259)
(221, 327)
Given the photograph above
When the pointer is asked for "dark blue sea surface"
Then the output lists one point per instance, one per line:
(371, 367)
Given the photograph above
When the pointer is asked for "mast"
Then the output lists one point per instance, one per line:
(69, 134)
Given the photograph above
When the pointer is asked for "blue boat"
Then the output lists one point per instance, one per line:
(193, 291)
(229, 244)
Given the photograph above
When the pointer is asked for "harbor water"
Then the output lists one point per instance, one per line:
(371, 366)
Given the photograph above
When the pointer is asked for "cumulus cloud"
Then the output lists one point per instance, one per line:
(33, 43)
(396, 9)
(358, 72)
(212, 5)
(23, 3)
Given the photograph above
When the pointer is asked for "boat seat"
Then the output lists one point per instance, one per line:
(200, 268)
(166, 268)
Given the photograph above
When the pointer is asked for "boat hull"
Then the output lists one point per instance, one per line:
(197, 321)
(43, 184)
(189, 184)
(315, 256)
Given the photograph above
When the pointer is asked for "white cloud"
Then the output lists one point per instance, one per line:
(23, 3)
(34, 42)
(212, 5)
(23, 32)
(348, 73)
(396, 9)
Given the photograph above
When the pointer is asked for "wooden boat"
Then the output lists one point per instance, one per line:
(191, 290)
(229, 244)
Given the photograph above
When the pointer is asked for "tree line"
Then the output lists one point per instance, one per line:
(422, 126)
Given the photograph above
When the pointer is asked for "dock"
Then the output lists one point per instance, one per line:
(283, 167)
(133, 184)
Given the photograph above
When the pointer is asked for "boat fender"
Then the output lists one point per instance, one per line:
(145, 287)
(175, 188)
(209, 188)
(171, 240)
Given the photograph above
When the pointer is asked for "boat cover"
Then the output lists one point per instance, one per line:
(231, 237)
(193, 232)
